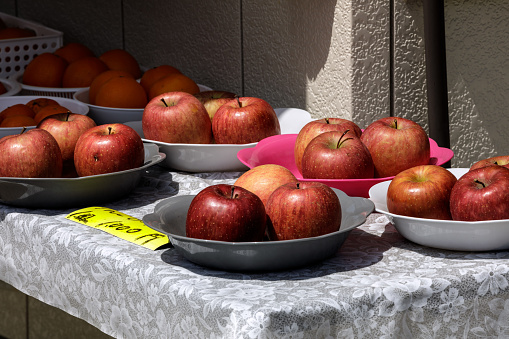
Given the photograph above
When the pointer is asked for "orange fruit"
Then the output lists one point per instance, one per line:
(45, 70)
(18, 121)
(121, 92)
(152, 75)
(74, 51)
(16, 33)
(120, 59)
(2, 88)
(175, 82)
(49, 110)
(101, 79)
(38, 103)
(15, 110)
(81, 73)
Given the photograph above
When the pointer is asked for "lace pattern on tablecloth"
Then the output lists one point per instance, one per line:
(377, 286)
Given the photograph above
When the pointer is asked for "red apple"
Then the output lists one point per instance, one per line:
(31, 154)
(176, 117)
(337, 155)
(66, 128)
(212, 100)
(244, 120)
(501, 160)
(264, 179)
(481, 194)
(313, 128)
(226, 213)
(108, 148)
(422, 192)
(302, 210)
(396, 144)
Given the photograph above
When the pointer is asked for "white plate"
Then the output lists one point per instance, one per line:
(215, 157)
(59, 193)
(453, 235)
(170, 215)
(107, 115)
(73, 105)
(12, 87)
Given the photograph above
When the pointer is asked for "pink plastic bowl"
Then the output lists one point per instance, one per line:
(278, 150)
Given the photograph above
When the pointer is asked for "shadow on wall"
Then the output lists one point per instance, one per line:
(287, 44)
(477, 72)
(478, 77)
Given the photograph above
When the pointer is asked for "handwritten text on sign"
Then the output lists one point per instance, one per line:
(120, 225)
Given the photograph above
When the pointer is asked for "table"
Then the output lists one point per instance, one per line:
(378, 285)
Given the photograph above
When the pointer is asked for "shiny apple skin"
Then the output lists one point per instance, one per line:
(422, 192)
(264, 179)
(481, 194)
(336, 155)
(316, 127)
(108, 148)
(66, 128)
(501, 160)
(176, 117)
(396, 144)
(31, 154)
(244, 120)
(226, 213)
(302, 210)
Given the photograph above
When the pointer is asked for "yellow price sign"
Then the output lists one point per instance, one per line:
(120, 225)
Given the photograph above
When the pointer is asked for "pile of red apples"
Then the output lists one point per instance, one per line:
(335, 148)
(70, 145)
(432, 192)
(269, 203)
(208, 117)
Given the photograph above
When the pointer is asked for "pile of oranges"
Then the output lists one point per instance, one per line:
(11, 32)
(30, 113)
(114, 78)
(74, 65)
(119, 89)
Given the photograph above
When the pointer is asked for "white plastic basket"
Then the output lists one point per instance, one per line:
(63, 92)
(15, 54)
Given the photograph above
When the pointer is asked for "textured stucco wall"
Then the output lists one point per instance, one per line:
(328, 57)
(477, 71)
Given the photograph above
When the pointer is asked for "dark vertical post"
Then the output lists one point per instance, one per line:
(436, 71)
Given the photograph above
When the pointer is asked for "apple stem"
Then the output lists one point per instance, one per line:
(23, 130)
(327, 120)
(341, 141)
(164, 102)
(109, 130)
(298, 185)
(480, 183)
(238, 100)
(232, 195)
(67, 117)
(396, 123)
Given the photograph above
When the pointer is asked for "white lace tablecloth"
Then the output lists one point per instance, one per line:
(377, 286)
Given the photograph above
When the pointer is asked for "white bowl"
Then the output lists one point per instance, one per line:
(73, 105)
(107, 115)
(219, 157)
(12, 87)
(490, 235)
